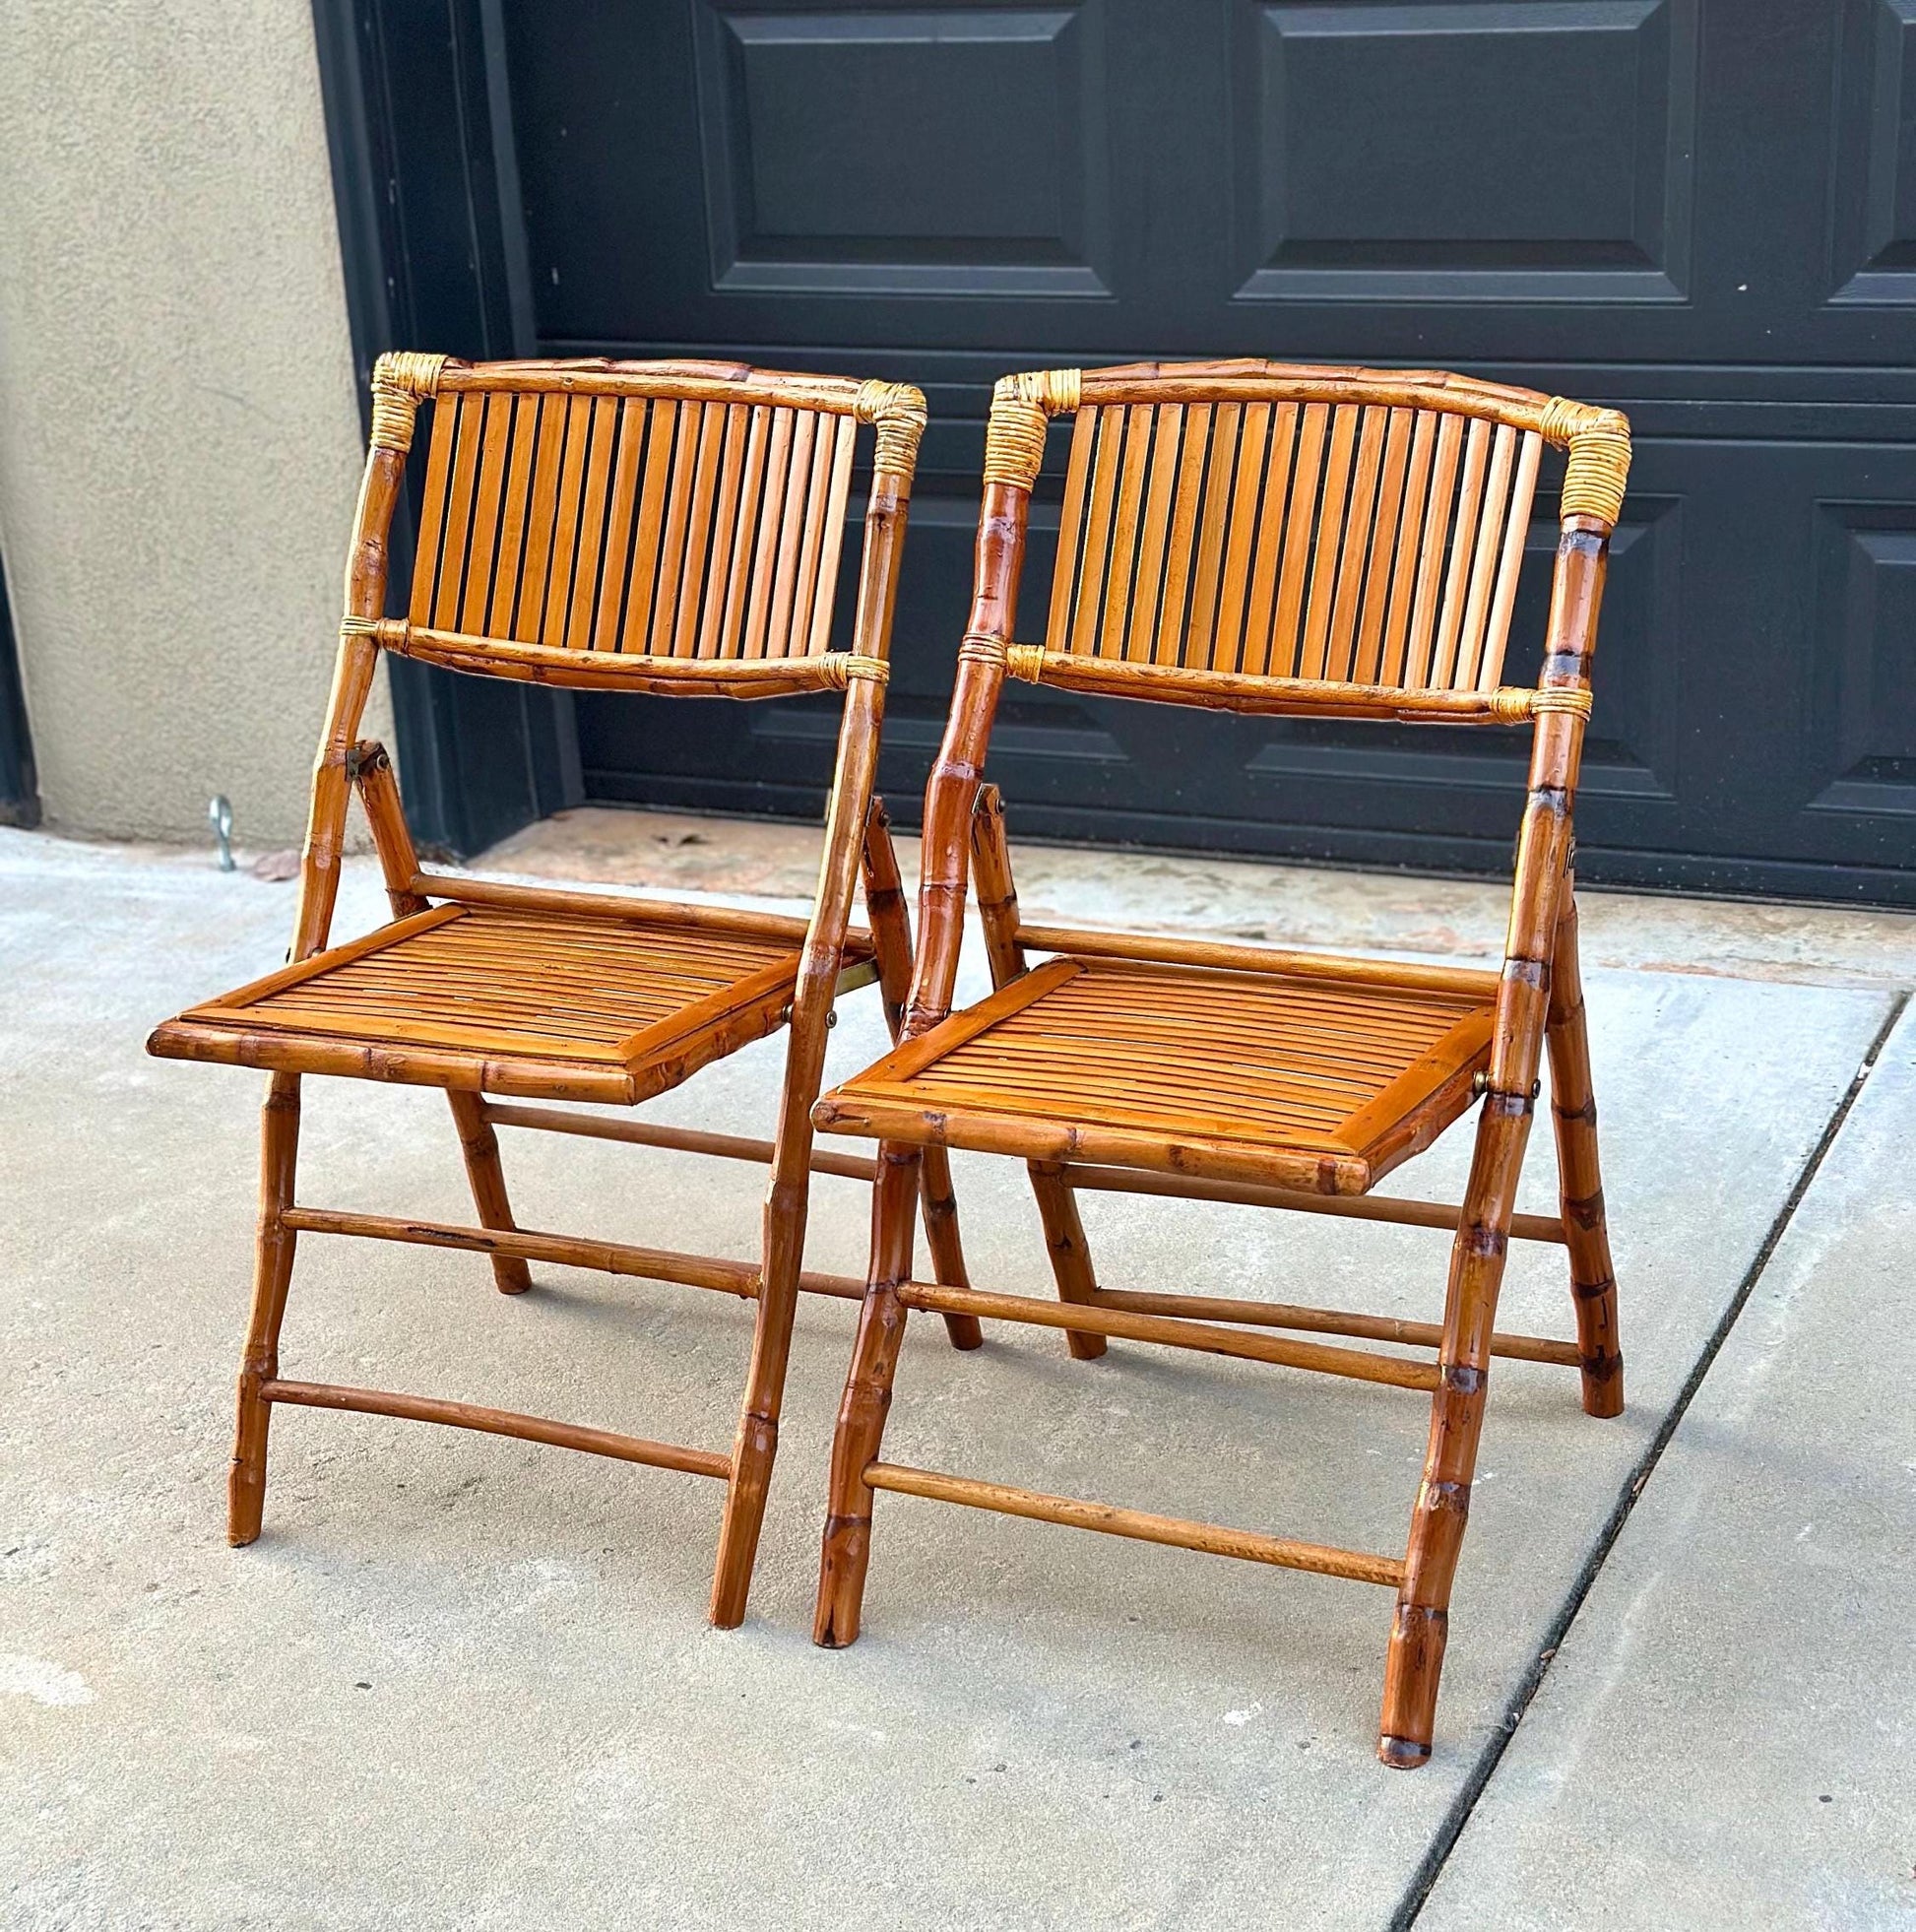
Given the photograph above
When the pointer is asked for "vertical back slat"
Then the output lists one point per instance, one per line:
(604, 422)
(1516, 528)
(493, 445)
(459, 513)
(1096, 534)
(744, 531)
(1429, 563)
(529, 611)
(698, 528)
(565, 519)
(1355, 552)
(661, 435)
(1183, 528)
(503, 604)
(1368, 652)
(1154, 529)
(673, 531)
(804, 601)
(1226, 646)
(725, 524)
(432, 511)
(1261, 620)
(1123, 540)
(1299, 514)
(1330, 534)
(778, 636)
(1463, 533)
(1410, 528)
(778, 457)
(1070, 531)
(1489, 531)
(1202, 628)
(835, 503)
(631, 429)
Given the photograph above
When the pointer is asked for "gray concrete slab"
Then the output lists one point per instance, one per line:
(1727, 1736)
(461, 1681)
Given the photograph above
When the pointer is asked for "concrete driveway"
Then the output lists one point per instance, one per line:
(461, 1681)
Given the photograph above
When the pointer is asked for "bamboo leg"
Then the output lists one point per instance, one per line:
(868, 1397)
(1058, 1201)
(891, 937)
(1070, 1252)
(481, 1146)
(1414, 1660)
(272, 1275)
(1573, 1107)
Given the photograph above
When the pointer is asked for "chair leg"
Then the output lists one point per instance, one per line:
(891, 940)
(1573, 1108)
(939, 1204)
(1414, 1660)
(271, 1276)
(868, 1397)
(481, 1146)
(755, 1447)
(1070, 1252)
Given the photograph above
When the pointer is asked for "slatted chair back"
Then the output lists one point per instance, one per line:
(1261, 537)
(632, 524)
(1273, 538)
(670, 527)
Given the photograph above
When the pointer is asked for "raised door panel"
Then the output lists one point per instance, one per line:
(1481, 152)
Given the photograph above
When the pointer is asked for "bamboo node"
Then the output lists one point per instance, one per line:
(1026, 661)
(897, 410)
(839, 668)
(401, 380)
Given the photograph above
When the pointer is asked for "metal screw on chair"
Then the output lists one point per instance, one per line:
(219, 814)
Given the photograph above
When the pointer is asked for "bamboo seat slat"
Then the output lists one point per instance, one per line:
(1168, 1057)
(490, 982)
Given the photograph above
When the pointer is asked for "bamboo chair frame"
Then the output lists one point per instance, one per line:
(1430, 477)
(591, 525)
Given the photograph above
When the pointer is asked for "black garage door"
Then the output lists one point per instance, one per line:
(1700, 211)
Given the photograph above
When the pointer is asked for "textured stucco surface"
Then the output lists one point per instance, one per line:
(180, 439)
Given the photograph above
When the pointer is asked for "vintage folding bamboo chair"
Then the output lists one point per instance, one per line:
(664, 526)
(1282, 541)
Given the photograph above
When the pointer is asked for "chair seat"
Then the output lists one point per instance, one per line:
(541, 1003)
(1320, 1080)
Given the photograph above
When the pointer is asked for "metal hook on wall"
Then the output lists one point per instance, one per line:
(220, 816)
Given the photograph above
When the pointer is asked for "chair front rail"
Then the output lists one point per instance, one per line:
(1180, 1533)
(498, 1421)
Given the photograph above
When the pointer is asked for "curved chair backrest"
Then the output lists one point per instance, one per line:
(1273, 538)
(669, 527)
(1232, 526)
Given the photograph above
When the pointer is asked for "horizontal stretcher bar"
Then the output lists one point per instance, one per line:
(1332, 1322)
(1351, 1207)
(644, 1134)
(1212, 1538)
(1204, 1336)
(727, 1277)
(500, 1422)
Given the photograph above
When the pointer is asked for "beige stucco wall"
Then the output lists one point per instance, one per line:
(179, 436)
